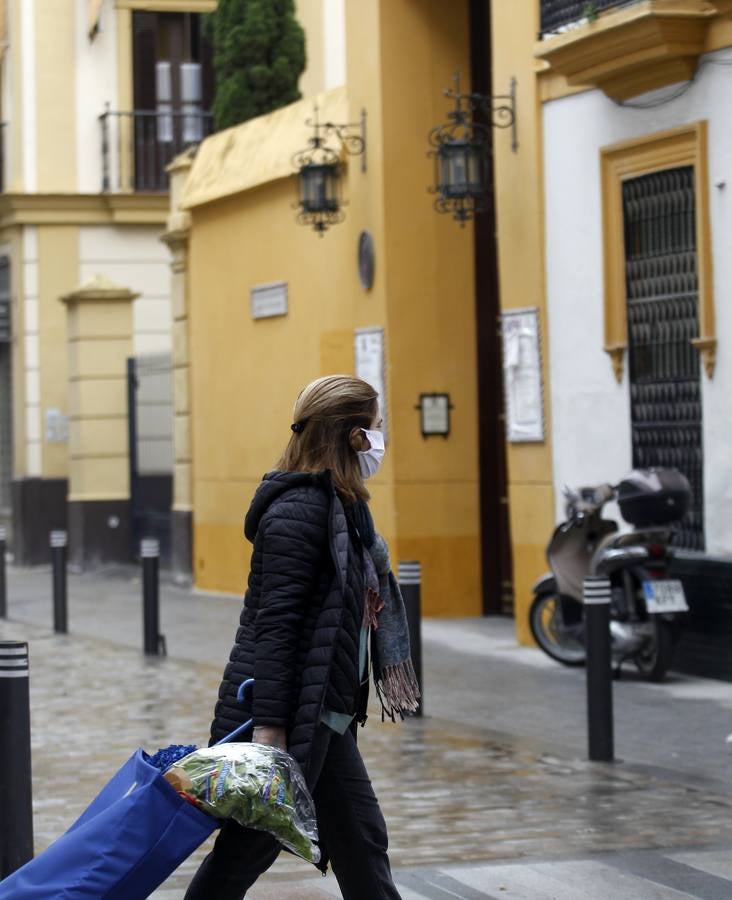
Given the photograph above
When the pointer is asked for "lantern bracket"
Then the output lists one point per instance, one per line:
(351, 137)
(322, 159)
(468, 130)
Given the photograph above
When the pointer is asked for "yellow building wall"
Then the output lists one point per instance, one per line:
(99, 334)
(55, 95)
(520, 220)
(431, 308)
(58, 274)
(246, 374)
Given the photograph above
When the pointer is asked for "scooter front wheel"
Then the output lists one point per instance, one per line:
(558, 638)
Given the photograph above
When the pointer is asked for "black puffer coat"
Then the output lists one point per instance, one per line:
(300, 624)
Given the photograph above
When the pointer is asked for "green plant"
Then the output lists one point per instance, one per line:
(258, 54)
(590, 12)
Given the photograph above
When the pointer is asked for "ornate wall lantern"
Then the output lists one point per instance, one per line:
(462, 147)
(319, 167)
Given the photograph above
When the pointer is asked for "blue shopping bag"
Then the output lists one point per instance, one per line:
(124, 845)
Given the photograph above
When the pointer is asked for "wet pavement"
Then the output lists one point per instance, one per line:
(495, 773)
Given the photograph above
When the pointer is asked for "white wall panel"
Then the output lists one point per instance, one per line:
(28, 83)
(151, 279)
(96, 85)
(110, 243)
(334, 28)
(135, 258)
(590, 411)
(151, 315)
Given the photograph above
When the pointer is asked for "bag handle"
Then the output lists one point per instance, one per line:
(239, 699)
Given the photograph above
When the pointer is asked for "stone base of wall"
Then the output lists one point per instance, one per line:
(39, 506)
(705, 647)
(99, 532)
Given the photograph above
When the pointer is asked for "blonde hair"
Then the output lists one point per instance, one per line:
(325, 413)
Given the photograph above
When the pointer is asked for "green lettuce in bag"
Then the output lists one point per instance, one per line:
(259, 786)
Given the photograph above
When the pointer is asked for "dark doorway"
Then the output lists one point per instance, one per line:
(663, 296)
(173, 91)
(494, 529)
(150, 418)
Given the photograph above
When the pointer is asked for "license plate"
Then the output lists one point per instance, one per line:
(665, 596)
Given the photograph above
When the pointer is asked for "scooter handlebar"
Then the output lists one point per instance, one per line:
(604, 493)
(587, 501)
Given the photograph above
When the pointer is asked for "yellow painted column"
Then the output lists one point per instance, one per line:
(58, 271)
(100, 329)
(55, 94)
(520, 223)
(430, 308)
(176, 238)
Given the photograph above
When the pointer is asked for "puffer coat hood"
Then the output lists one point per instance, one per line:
(274, 485)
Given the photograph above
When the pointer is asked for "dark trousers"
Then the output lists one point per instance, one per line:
(350, 826)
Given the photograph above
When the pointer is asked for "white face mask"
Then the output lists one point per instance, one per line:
(370, 460)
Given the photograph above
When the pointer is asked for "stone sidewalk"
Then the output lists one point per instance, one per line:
(494, 773)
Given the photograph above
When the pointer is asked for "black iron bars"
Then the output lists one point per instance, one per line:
(596, 597)
(410, 583)
(60, 594)
(16, 792)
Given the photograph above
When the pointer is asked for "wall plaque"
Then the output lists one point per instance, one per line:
(369, 363)
(268, 300)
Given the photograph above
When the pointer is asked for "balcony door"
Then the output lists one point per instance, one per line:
(173, 91)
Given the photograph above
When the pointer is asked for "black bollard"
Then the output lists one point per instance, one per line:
(3, 578)
(153, 641)
(16, 793)
(599, 668)
(410, 582)
(60, 595)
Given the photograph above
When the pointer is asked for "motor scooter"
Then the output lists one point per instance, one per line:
(647, 606)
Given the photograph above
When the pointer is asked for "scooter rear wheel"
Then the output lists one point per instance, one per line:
(557, 639)
(654, 660)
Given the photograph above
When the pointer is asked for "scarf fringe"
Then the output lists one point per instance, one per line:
(398, 690)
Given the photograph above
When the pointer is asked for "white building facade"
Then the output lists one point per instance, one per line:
(592, 380)
(97, 98)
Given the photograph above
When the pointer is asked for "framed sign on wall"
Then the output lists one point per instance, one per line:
(522, 376)
(369, 363)
(268, 300)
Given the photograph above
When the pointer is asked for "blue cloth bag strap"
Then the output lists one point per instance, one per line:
(239, 699)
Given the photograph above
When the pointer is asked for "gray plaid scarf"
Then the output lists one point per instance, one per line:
(394, 677)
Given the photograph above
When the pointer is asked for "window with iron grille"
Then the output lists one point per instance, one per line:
(663, 318)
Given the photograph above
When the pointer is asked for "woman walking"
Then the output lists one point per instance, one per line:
(321, 599)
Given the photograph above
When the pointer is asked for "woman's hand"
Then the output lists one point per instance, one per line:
(271, 735)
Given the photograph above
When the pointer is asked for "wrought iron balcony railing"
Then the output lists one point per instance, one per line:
(560, 15)
(137, 146)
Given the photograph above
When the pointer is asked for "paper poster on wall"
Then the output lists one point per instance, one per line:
(369, 363)
(522, 376)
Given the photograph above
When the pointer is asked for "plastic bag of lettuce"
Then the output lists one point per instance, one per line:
(259, 786)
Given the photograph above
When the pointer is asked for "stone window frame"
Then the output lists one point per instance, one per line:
(682, 146)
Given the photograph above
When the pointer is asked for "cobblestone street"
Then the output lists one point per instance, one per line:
(455, 792)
